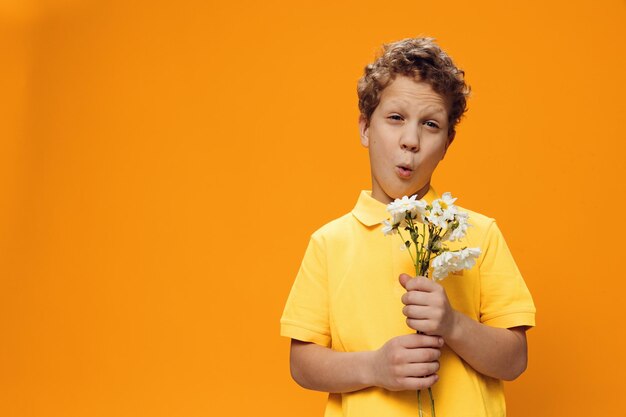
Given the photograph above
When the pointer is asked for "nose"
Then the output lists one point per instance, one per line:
(410, 140)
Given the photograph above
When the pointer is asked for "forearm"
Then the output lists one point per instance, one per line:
(322, 369)
(495, 352)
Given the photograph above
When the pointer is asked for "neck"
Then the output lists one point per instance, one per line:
(422, 192)
(383, 197)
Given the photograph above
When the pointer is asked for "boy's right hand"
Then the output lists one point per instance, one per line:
(407, 362)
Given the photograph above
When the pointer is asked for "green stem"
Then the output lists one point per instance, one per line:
(432, 232)
(409, 249)
(432, 402)
(422, 250)
(419, 403)
(418, 251)
(421, 261)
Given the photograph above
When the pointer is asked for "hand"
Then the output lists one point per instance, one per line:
(426, 306)
(407, 362)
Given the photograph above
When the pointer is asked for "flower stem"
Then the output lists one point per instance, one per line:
(432, 402)
(409, 249)
(419, 403)
(421, 247)
(416, 242)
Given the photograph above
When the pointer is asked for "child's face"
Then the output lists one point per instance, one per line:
(407, 137)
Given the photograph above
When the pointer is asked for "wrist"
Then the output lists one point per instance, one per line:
(368, 369)
(455, 329)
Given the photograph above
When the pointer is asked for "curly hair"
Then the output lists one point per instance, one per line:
(420, 58)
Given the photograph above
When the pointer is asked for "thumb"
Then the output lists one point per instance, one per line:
(404, 278)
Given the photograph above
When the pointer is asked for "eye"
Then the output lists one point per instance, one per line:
(395, 117)
(432, 124)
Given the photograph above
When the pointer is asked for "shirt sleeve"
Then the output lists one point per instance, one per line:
(305, 316)
(504, 298)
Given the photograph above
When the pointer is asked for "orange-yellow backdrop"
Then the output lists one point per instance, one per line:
(162, 166)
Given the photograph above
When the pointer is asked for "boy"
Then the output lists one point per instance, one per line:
(353, 313)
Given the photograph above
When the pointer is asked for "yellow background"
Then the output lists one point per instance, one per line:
(162, 165)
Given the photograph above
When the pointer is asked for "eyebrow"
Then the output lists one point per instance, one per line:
(431, 107)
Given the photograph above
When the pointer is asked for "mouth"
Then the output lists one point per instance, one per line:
(404, 171)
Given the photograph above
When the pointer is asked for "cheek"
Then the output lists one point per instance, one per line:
(381, 133)
(381, 147)
(438, 147)
(434, 155)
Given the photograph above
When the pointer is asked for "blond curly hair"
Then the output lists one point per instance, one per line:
(420, 58)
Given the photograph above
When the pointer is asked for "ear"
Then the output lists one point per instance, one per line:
(448, 142)
(364, 131)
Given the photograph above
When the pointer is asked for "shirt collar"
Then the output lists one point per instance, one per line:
(371, 212)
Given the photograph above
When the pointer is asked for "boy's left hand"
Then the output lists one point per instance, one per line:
(426, 306)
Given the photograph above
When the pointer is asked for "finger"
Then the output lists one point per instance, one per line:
(420, 284)
(420, 370)
(404, 278)
(412, 341)
(423, 355)
(419, 298)
(417, 312)
(414, 384)
(423, 326)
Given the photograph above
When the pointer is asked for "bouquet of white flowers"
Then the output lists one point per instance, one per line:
(429, 227)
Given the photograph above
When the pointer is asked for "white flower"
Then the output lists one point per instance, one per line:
(442, 265)
(403, 205)
(444, 208)
(452, 261)
(447, 201)
(389, 228)
(398, 219)
(457, 233)
(435, 217)
(458, 227)
(467, 258)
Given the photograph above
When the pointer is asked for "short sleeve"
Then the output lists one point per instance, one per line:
(305, 316)
(504, 298)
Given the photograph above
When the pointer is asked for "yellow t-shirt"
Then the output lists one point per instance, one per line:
(346, 296)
